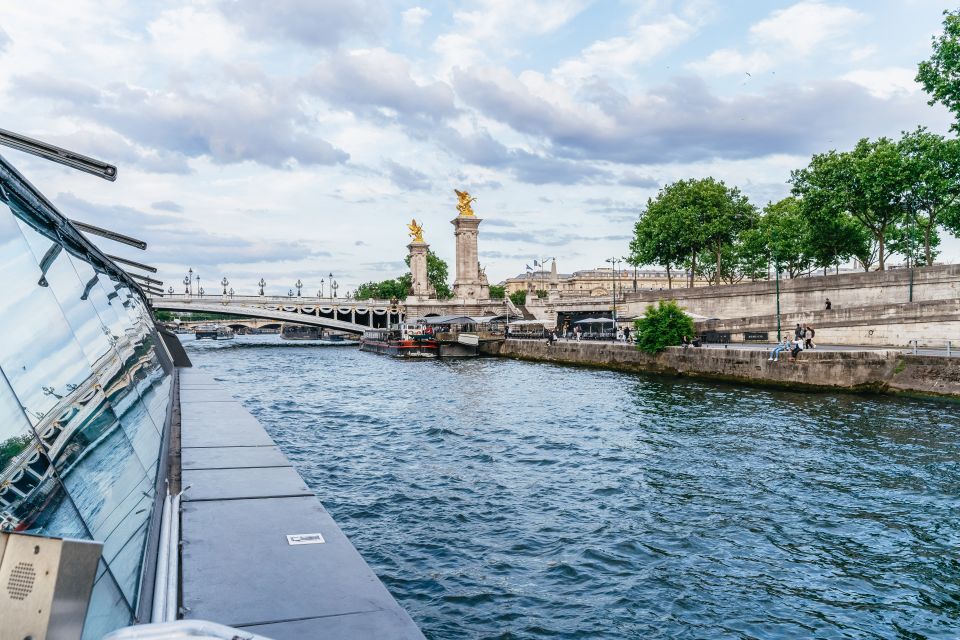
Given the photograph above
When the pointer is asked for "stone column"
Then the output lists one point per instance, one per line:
(420, 285)
(469, 284)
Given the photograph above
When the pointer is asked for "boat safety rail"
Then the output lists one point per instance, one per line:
(182, 629)
(936, 347)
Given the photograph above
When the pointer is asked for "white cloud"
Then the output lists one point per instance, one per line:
(885, 83)
(413, 18)
(492, 27)
(622, 55)
(805, 26)
(788, 35)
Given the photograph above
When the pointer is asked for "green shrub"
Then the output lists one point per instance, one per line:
(519, 298)
(662, 326)
(497, 291)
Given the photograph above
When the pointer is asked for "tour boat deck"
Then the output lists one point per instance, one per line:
(244, 500)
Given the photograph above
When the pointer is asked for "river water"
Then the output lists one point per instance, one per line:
(502, 499)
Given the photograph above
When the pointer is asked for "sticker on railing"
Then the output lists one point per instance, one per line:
(305, 538)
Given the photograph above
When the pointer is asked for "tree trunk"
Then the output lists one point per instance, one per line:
(669, 279)
(693, 268)
(718, 266)
(880, 256)
(926, 240)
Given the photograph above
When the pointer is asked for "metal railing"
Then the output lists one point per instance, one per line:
(182, 629)
(947, 347)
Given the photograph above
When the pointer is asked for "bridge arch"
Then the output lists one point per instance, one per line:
(286, 311)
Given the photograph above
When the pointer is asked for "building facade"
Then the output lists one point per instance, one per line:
(597, 282)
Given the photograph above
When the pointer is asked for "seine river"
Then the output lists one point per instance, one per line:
(501, 499)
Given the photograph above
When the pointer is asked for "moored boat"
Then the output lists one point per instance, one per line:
(394, 342)
(213, 332)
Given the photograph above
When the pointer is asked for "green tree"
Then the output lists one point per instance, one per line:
(868, 183)
(932, 165)
(788, 234)
(657, 239)
(497, 291)
(693, 216)
(662, 326)
(397, 288)
(908, 240)
(437, 272)
(519, 298)
(940, 75)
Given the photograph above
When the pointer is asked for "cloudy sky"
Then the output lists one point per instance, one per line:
(285, 139)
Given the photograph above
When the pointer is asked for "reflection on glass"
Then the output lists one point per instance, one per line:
(84, 398)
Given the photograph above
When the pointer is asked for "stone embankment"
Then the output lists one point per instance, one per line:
(884, 371)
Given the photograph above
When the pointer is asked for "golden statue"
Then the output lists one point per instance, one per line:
(416, 231)
(464, 205)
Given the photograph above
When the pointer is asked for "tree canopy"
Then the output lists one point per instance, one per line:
(940, 75)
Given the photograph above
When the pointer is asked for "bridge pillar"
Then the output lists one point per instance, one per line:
(370, 317)
(353, 315)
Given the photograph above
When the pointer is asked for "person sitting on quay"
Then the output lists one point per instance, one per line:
(783, 345)
(685, 342)
(797, 348)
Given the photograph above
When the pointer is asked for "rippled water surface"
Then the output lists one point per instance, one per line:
(501, 499)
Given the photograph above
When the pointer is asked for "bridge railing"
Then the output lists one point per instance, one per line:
(283, 300)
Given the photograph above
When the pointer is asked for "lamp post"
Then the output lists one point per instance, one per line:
(613, 262)
(776, 269)
(231, 292)
(262, 284)
(333, 288)
(199, 288)
(290, 293)
(225, 283)
(170, 290)
(299, 286)
(320, 292)
(330, 280)
(200, 291)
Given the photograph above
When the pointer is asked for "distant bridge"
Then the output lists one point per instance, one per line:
(353, 316)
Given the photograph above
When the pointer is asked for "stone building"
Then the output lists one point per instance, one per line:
(596, 282)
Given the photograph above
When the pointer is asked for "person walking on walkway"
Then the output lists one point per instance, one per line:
(798, 332)
(828, 304)
(808, 334)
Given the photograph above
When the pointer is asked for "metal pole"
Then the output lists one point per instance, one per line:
(777, 267)
(163, 564)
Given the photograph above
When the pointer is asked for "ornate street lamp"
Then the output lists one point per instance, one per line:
(190, 281)
(299, 286)
(290, 293)
(262, 284)
(199, 288)
(333, 287)
(330, 280)
(170, 290)
(231, 292)
(225, 283)
(201, 292)
(320, 293)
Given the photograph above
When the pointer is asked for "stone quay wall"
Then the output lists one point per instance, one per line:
(799, 295)
(884, 371)
(931, 323)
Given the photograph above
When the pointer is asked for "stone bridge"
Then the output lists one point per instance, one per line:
(352, 316)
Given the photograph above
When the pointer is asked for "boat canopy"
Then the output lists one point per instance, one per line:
(522, 323)
(595, 321)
